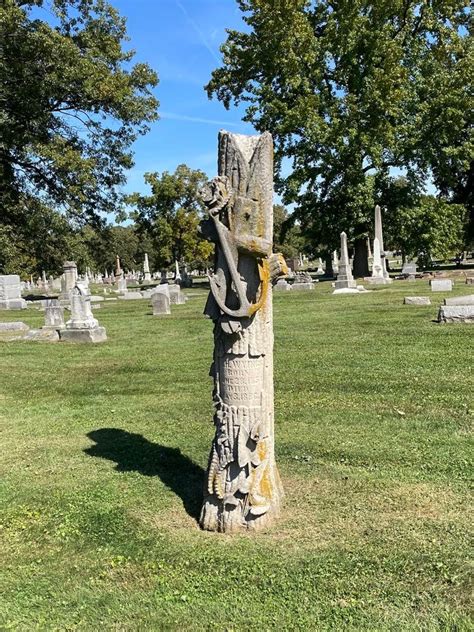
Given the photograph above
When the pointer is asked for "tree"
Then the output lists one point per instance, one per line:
(429, 229)
(287, 237)
(343, 87)
(170, 216)
(71, 105)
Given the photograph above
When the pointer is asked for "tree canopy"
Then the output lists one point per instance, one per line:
(71, 105)
(170, 216)
(349, 91)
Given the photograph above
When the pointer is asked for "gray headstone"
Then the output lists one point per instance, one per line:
(460, 300)
(441, 285)
(417, 300)
(10, 292)
(456, 314)
(160, 304)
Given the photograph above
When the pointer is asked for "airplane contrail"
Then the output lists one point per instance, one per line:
(201, 35)
(197, 119)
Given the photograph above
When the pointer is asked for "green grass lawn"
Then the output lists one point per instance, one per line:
(103, 450)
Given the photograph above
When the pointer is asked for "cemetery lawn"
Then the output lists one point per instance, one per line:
(104, 449)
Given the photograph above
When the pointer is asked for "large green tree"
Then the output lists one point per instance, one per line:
(170, 216)
(351, 90)
(71, 105)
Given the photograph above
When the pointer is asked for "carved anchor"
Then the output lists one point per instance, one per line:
(230, 252)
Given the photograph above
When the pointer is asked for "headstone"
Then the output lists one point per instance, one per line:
(176, 295)
(303, 281)
(122, 285)
(417, 300)
(160, 303)
(146, 269)
(243, 490)
(14, 326)
(10, 292)
(131, 296)
(68, 280)
(409, 269)
(320, 269)
(345, 280)
(282, 286)
(118, 267)
(82, 326)
(379, 236)
(177, 275)
(377, 277)
(456, 314)
(460, 300)
(335, 262)
(54, 317)
(441, 285)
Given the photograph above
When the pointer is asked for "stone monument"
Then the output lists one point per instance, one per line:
(160, 302)
(243, 489)
(335, 262)
(53, 316)
(146, 269)
(378, 277)
(82, 326)
(345, 283)
(10, 292)
(68, 280)
(379, 236)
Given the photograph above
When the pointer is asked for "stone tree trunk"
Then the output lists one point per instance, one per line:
(243, 489)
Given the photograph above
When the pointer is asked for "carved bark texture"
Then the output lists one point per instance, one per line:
(243, 488)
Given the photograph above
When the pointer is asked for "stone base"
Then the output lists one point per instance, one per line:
(416, 300)
(46, 334)
(131, 296)
(460, 300)
(97, 334)
(456, 314)
(13, 303)
(377, 281)
(303, 286)
(346, 290)
(345, 285)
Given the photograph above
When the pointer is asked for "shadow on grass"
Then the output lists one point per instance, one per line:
(133, 453)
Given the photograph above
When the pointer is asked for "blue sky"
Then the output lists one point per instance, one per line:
(180, 39)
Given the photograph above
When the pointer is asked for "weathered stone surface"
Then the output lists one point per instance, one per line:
(131, 296)
(282, 286)
(417, 300)
(96, 334)
(14, 326)
(68, 280)
(345, 280)
(456, 314)
(42, 335)
(54, 317)
(82, 326)
(10, 292)
(441, 285)
(176, 295)
(303, 286)
(97, 299)
(160, 303)
(379, 236)
(460, 300)
(409, 269)
(243, 489)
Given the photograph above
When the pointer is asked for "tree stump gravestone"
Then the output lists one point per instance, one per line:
(243, 488)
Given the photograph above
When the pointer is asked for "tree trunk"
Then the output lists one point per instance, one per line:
(361, 258)
(329, 272)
